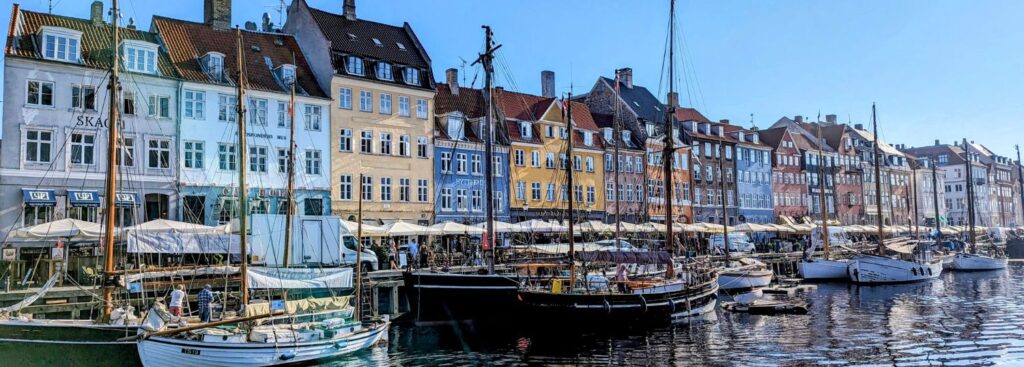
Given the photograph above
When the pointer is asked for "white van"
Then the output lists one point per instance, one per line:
(317, 240)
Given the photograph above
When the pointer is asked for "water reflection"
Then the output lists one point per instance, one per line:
(958, 319)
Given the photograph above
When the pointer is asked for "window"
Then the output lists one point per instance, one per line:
(497, 167)
(520, 190)
(551, 192)
(421, 190)
(284, 161)
(140, 60)
(39, 93)
(535, 191)
(403, 146)
(367, 188)
(456, 127)
(411, 76)
(37, 215)
(345, 187)
(385, 189)
(312, 162)
(590, 164)
(403, 106)
(128, 107)
(524, 130)
(61, 46)
(461, 199)
(159, 106)
(226, 157)
(126, 152)
(258, 159)
(385, 143)
(385, 104)
(446, 162)
(83, 97)
(194, 154)
(83, 149)
(314, 206)
(549, 160)
(499, 199)
(312, 117)
(421, 108)
(519, 157)
(227, 108)
(535, 158)
(215, 65)
(588, 139)
(345, 98)
(591, 194)
(475, 162)
(159, 153)
(477, 201)
(446, 199)
(421, 147)
(403, 189)
(354, 65)
(257, 111)
(366, 142)
(384, 71)
(460, 163)
(365, 101)
(195, 103)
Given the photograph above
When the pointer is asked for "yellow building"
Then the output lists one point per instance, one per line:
(381, 82)
(538, 158)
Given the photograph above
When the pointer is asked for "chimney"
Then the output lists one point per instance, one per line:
(96, 13)
(350, 9)
(625, 76)
(831, 119)
(673, 99)
(547, 83)
(724, 121)
(937, 142)
(859, 126)
(452, 75)
(798, 118)
(217, 13)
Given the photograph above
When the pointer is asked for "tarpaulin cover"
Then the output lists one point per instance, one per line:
(299, 278)
(626, 257)
(181, 243)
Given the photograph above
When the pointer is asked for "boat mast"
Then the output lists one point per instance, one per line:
(486, 59)
(359, 253)
(669, 130)
(243, 194)
(913, 187)
(721, 185)
(935, 201)
(1020, 177)
(878, 180)
(572, 193)
(617, 136)
(112, 161)
(970, 194)
(291, 173)
(826, 239)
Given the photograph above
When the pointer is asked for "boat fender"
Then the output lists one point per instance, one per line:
(287, 356)
(929, 271)
(340, 344)
(643, 304)
(672, 305)
(856, 274)
(921, 271)
(607, 307)
(914, 270)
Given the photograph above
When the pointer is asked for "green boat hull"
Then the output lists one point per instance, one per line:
(45, 344)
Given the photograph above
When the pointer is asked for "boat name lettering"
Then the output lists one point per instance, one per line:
(191, 351)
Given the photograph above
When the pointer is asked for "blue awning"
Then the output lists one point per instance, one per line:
(127, 199)
(34, 197)
(84, 198)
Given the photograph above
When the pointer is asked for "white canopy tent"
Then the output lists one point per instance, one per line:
(64, 228)
(539, 226)
(500, 227)
(368, 230)
(454, 228)
(399, 229)
(170, 226)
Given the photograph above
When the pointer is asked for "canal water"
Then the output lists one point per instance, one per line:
(958, 319)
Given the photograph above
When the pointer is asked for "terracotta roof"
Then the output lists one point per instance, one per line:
(690, 114)
(773, 137)
(469, 101)
(528, 107)
(95, 43)
(187, 42)
(512, 128)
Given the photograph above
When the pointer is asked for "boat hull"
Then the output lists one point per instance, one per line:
(971, 262)
(868, 269)
(821, 269)
(171, 352)
(733, 280)
(443, 297)
(80, 342)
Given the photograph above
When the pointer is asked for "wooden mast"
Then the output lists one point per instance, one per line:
(617, 136)
(721, 185)
(970, 195)
(243, 194)
(826, 239)
(571, 164)
(669, 130)
(913, 187)
(291, 172)
(486, 59)
(935, 201)
(359, 253)
(112, 161)
(878, 180)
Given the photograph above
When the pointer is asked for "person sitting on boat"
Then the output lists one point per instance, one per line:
(205, 298)
(177, 297)
(621, 277)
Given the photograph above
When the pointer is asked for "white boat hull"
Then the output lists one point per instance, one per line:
(821, 269)
(743, 279)
(172, 352)
(869, 269)
(968, 262)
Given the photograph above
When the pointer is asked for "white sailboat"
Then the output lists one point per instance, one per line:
(973, 260)
(823, 268)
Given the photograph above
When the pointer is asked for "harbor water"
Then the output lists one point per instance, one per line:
(958, 319)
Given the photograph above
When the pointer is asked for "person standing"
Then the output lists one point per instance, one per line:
(621, 277)
(414, 254)
(205, 298)
(177, 299)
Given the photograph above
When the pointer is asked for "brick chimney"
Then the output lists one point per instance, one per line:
(547, 83)
(937, 142)
(859, 126)
(217, 13)
(625, 76)
(724, 121)
(798, 118)
(452, 75)
(350, 9)
(831, 119)
(673, 99)
(96, 13)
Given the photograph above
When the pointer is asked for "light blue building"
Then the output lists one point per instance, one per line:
(753, 178)
(459, 166)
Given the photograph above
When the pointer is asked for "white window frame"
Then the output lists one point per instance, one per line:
(194, 154)
(71, 47)
(345, 98)
(81, 147)
(40, 84)
(194, 104)
(345, 140)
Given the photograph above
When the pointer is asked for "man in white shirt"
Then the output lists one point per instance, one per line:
(177, 297)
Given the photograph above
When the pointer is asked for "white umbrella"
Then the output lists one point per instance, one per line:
(63, 228)
(539, 226)
(450, 227)
(368, 230)
(752, 227)
(170, 226)
(398, 229)
(500, 227)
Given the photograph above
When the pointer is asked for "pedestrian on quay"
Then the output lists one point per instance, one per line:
(177, 299)
(205, 298)
(414, 254)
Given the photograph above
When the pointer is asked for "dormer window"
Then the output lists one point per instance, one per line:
(524, 130)
(588, 139)
(354, 65)
(384, 71)
(376, 42)
(400, 46)
(214, 64)
(139, 57)
(61, 44)
(626, 135)
(411, 75)
(607, 133)
(287, 73)
(456, 127)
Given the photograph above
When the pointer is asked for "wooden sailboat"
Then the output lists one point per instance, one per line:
(916, 265)
(969, 259)
(822, 268)
(289, 341)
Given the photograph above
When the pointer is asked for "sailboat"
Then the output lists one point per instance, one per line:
(285, 339)
(972, 260)
(672, 298)
(822, 268)
(911, 265)
(742, 274)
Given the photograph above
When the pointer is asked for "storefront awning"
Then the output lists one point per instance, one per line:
(34, 197)
(127, 199)
(84, 198)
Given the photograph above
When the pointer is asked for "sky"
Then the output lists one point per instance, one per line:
(937, 69)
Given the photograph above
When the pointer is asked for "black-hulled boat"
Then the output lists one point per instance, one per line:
(443, 297)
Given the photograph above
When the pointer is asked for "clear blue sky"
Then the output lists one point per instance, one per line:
(938, 69)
